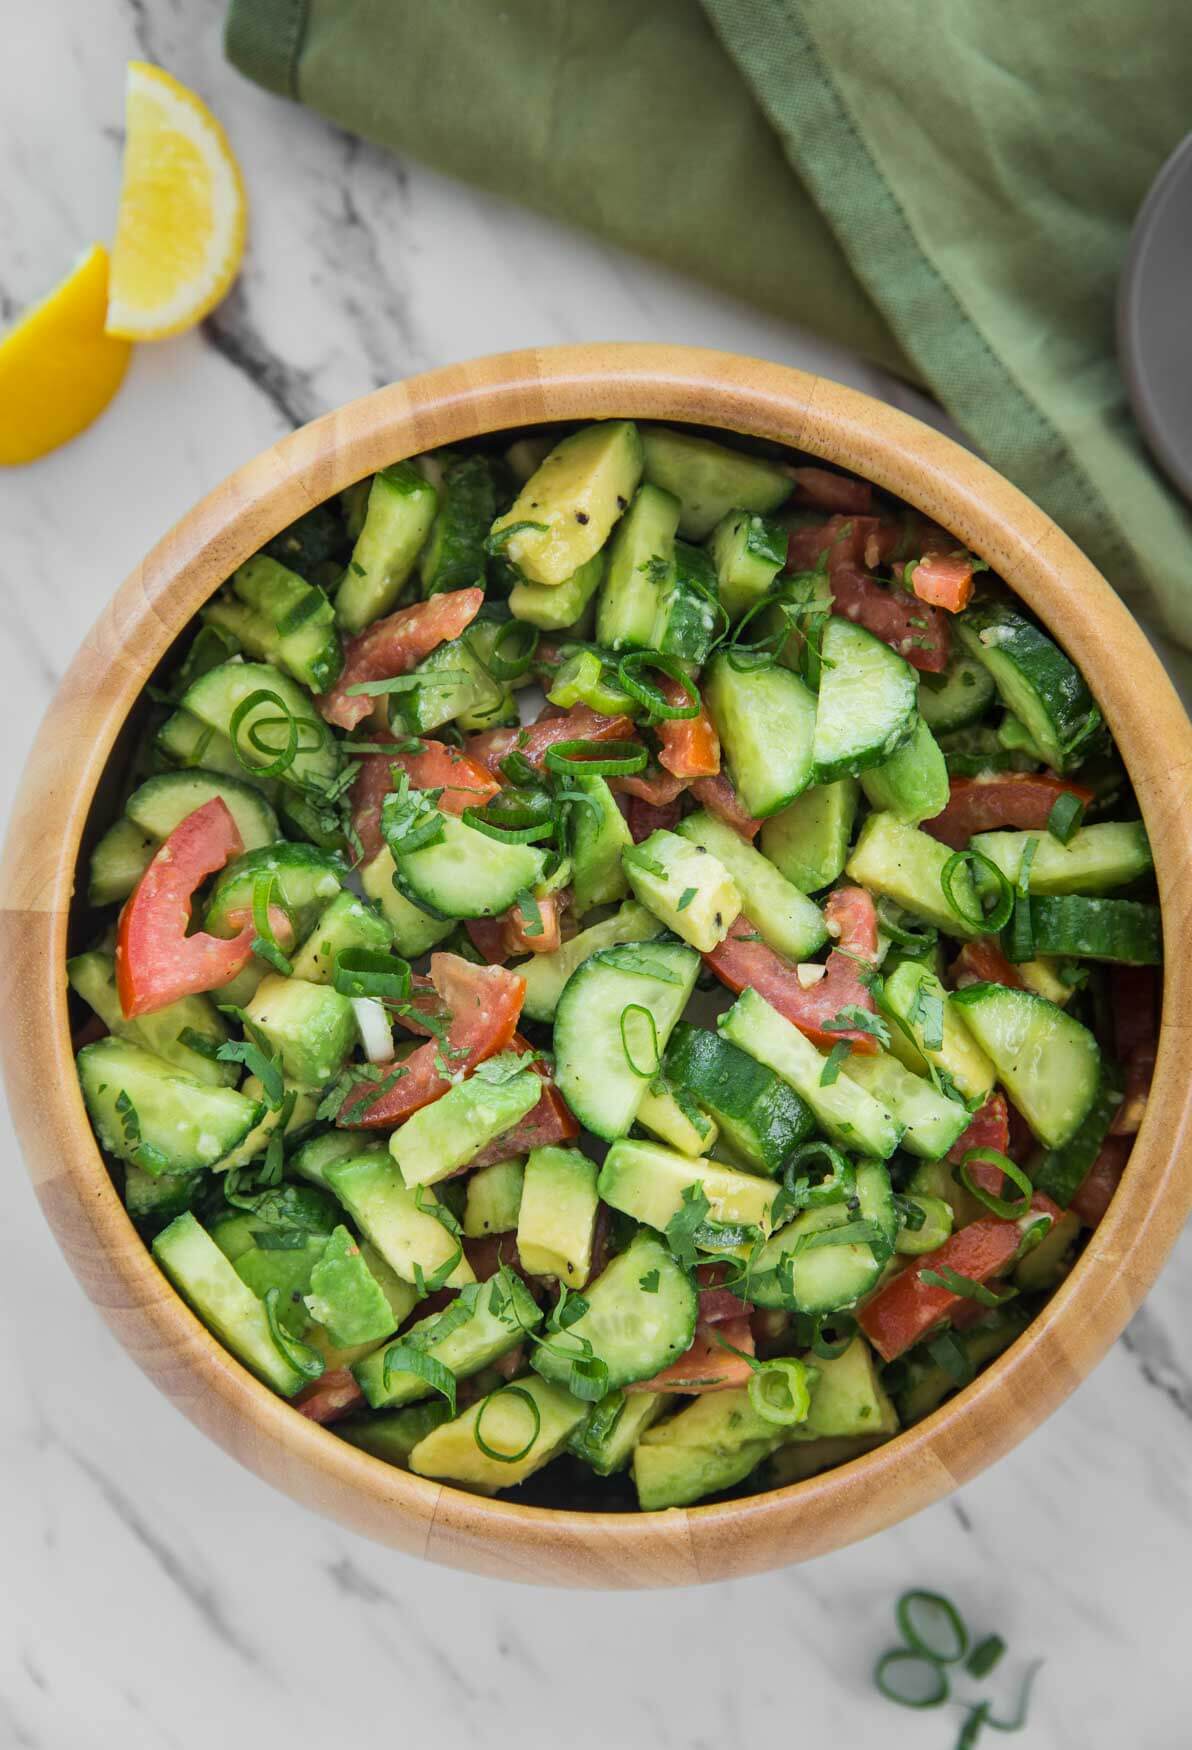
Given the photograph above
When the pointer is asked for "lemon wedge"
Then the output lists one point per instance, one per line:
(181, 226)
(58, 369)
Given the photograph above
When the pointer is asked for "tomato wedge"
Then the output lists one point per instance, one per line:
(743, 961)
(828, 491)
(578, 724)
(907, 1307)
(847, 541)
(527, 934)
(465, 783)
(945, 580)
(395, 645)
(1018, 799)
(913, 628)
(720, 798)
(333, 1396)
(982, 962)
(707, 1365)
(689, 746)
(990, 1128)
(647, 817)
(157, 963)
(1102, 1180)
(483, 1003)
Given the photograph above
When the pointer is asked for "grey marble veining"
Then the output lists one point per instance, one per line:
(156, 1595)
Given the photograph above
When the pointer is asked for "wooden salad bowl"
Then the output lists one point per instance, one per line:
(64, 796)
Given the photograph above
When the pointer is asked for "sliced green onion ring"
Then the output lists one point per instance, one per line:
(507, 835)
(917, 935)
(652, 1068)
(509, 1391)
(597, 759)
(992, 920)
(984, 1656)
(1009, 1211)
(780, 1391)
(911, 1679)
(930, 1624)
(367, 972)
(265, 942)
(303, 1359)
(651, 696)
(508, 667)
(284, 757)
(1067, 813)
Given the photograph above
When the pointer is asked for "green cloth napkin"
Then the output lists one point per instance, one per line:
(947, 187)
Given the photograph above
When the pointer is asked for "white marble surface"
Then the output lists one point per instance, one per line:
(154, 1594)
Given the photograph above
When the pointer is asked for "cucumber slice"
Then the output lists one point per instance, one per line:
(150, 1114)
(305, 880)
(1062, 1171)
(765, 719)
(606, 1441)
(808, 841)
(958, 697)
(853, 1118)
(150, 1200)
(508, 1427)
(1035, 680)
(93, 976)
(647, 1182)
(761, 1119)
(392, 1435)
(748, 552)
(414, 930)
(791, 923)
(913, 783)
(454, 555)
(640, 572)
(464, 1348)
(578, 492)
(467, 874)
(1098, 857)
(932, 1122)
(399, 511)
(687, 618)
(301, 631)
(929, 1033)
(184, 741)
(210, 1286)
(867, 701)
(907, 866)
(452, 683)
(444, 1136)
(1120, 930)
(162, 802)
(635, 1332)
(709, 479)
(685, 886)
(599, 833)
(216, 695)
(118, 861)
(592, 1067)
(555, 607)
(313, 541)
(827, 1278)
(547, 974)
(1049, 1064)
(397, 1220)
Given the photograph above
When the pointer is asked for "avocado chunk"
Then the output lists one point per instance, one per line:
(599, 835)
(309, 1026)
(907, 866)
(682, 1127)
(808, 840)
(402, 1224)
(786, 919)
(525, 1434)
(557, 1216)
(646, 1181)
(555, 607)
(641, 567)
(494, 1198)
(607, 1439)
(578, 492)
(448, 1133)
(709, 479)
(348, 922)
(707, 1447)
(685, 886)
(848, 1398)
(345, 1297)
(466, 1337)
(930, 1033)
(393, 1434)
(913, 783)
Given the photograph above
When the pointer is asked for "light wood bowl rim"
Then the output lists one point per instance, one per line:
(679, 385)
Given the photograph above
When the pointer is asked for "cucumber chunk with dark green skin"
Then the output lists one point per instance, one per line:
(454, 555)
(118, 861)
(1041, 686)
(1062, 1171)
(546, 975)
(166, 1032)
(748, 552)
(454, 684)
(791, 923)
(641, 563)
(765, 719)
(305, 880)
(761, 1119)
(687, 618)
(399, 511)
(827, 1278)
(958, 697)
(162, 802)
(636, 1331)
(217, 695)
(150, 1114)
(1046, 1060)
(302, 633)
(913, 783)
(1121, 930)
(607, 1439)
(209, 1284)
(867, 702)
(466, 1348)
(709, 479)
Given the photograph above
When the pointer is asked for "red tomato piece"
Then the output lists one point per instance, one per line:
(689, 746)
(487, 1254)
(913, 628)
(906, 1308)
(647, 817)
(548, 1123)
(484, 1003)
(157, 963)
(850, 541)
(990, 1128)
(393, 646)
(707, 1365)
(534, 739)
(464, 783)
(720, 798)
(652, 785)
(1102, 1180)
(488, 938)
(525, 934)
(330, 1398)
(717, 1303)
(1018, 799)
(828, 491)
(945, 580)
(982, 962)
(743, 961)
